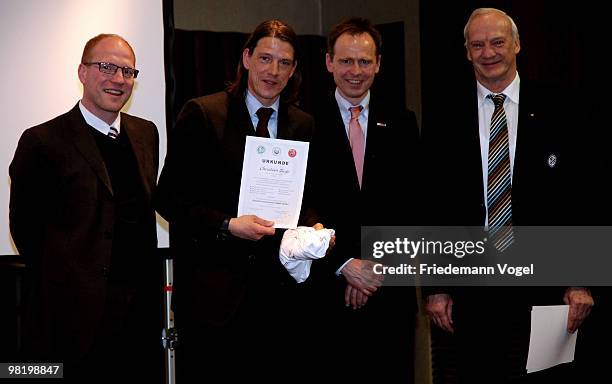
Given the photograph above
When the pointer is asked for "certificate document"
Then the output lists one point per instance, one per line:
(272, 184)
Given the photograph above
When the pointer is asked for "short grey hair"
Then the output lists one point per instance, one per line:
(486, 11)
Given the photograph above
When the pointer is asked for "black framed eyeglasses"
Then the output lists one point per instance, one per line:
(111, 69)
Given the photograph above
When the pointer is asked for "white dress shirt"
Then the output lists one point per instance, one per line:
(253, 106)
(97, 123)
(343, 106)
(485, 111)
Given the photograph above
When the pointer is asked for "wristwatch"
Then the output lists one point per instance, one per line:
(224, 231)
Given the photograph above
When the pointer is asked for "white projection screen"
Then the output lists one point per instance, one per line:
(41, 44)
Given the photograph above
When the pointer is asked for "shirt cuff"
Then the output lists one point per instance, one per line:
(342, 266)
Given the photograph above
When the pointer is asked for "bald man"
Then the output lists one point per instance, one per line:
(81, 216)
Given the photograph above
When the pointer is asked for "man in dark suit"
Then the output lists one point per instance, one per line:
(540, 181)
(371, 151)
(229, 281)
(81, 214)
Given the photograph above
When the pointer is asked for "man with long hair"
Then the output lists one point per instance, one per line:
(229, 281)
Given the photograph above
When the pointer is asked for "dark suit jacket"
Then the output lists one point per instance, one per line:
(198, 188)
(62, 218)
(388, 195)
(543, 193)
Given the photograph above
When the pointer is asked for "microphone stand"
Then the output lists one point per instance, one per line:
(169, 334)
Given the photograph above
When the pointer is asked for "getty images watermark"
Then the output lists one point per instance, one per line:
(465, 256)
(422, 247)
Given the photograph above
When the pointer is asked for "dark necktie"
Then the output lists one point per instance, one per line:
(499, 186)
(262, 125)
(113, 132)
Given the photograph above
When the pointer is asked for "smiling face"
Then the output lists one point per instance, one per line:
(492, 49)
(270, 66)
(354, 65)
(103, 94)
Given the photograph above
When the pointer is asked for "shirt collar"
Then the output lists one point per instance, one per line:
(345, 104)
(511, 91)
(253, 105)
(97, 123)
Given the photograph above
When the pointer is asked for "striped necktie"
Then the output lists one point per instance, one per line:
(499, 188)
(113, 132)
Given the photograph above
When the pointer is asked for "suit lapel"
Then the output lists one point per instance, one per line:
(473, 145)
(238, 124)
(86, 145)
(283, 129)
(462, 135)
(239, 109)
(376, 127)
(527, 131)
(139, 149)
(237, 127)
(344, 154)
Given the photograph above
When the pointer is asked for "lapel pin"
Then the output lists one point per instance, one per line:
(380, 124)
(552, 160)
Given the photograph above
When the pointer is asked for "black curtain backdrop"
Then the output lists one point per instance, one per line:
(561, 44)
(204, 62)
(13, 292)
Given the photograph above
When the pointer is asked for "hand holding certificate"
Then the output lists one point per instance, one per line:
(272, 184)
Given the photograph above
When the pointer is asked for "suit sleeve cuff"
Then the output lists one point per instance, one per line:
(339, 270)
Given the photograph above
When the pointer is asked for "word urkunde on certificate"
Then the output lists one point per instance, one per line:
(272, 184)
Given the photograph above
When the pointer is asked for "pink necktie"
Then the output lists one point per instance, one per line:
(357, 140)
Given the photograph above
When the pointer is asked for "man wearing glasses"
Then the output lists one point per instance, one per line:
(81, 215)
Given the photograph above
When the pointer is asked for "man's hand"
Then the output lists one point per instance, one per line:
(354, 297)
(360, 274)
(251, 227)
(332, 241)
(439, 308)
(580, 303)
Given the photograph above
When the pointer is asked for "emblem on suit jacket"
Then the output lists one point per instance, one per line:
(552, 160)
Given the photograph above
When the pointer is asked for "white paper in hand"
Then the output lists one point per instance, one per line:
(550, 343)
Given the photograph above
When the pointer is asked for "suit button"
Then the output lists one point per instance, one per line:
(251, 258)
(108, 235)
(105, 271)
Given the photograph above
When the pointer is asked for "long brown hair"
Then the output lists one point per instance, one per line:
(278, 30)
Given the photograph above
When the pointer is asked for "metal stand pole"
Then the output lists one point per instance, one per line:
(169, 335)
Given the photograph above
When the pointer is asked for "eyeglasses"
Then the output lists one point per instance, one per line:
(111, 69)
